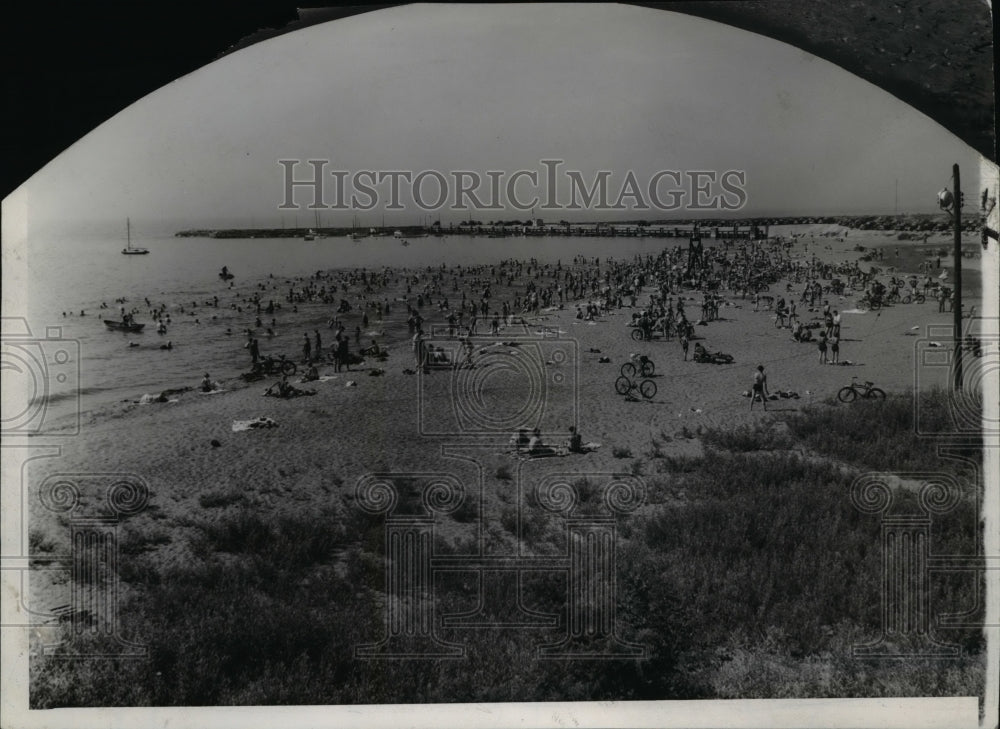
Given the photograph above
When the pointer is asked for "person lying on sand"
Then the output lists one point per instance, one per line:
(283, 389)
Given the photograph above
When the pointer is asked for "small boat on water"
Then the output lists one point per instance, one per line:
(121, 326)
(129, 250)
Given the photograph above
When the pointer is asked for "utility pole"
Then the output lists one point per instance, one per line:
(957, 301)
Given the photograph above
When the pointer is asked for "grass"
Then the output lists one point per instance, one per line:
(747, 438)
(749, 574)
(881, 435)
(220, 499)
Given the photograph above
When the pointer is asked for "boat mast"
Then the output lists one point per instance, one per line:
(128, 233)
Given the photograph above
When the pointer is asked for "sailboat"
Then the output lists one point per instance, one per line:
(355, 235)
(128, 250)
(312, 233)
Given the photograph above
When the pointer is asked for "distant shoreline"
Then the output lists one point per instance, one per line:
(924, 223)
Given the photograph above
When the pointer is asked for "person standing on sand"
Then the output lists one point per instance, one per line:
(835, 349)
(418, 348)
(254, 348)
(306, 349)
(759, 387)
(684, 346)
(822, 348)
(319, 343)
(343, 351)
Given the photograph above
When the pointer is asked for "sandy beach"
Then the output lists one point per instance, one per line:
(358, 424)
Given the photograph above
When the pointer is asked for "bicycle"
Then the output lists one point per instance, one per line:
(873, 303)
(271, 366)
(917, 297)
(867, 391)
(642, 335)
(645, 368)
(627, 386)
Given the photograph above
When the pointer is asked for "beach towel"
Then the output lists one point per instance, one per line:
(553, 452)
(148, 399)
(211, 392)
(256, 423)
(322, 378)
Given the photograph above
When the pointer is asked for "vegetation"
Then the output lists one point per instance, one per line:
(747, 574)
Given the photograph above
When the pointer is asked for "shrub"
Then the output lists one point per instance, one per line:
(879, 435)
(219, 499)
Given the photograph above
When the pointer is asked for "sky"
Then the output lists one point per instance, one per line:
(495, 87)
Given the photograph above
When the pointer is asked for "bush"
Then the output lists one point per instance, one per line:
(220, 499)
(879, 435)
(746, 438)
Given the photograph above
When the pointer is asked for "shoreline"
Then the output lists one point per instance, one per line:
(716, 228)
(826, 244)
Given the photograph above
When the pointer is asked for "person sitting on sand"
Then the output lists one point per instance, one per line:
(207, 385)
(575, 442)
(520, 439)
(536, 447)
(311, 374)
(283, 389)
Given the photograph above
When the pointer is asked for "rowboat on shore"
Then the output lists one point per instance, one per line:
(120, 326)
